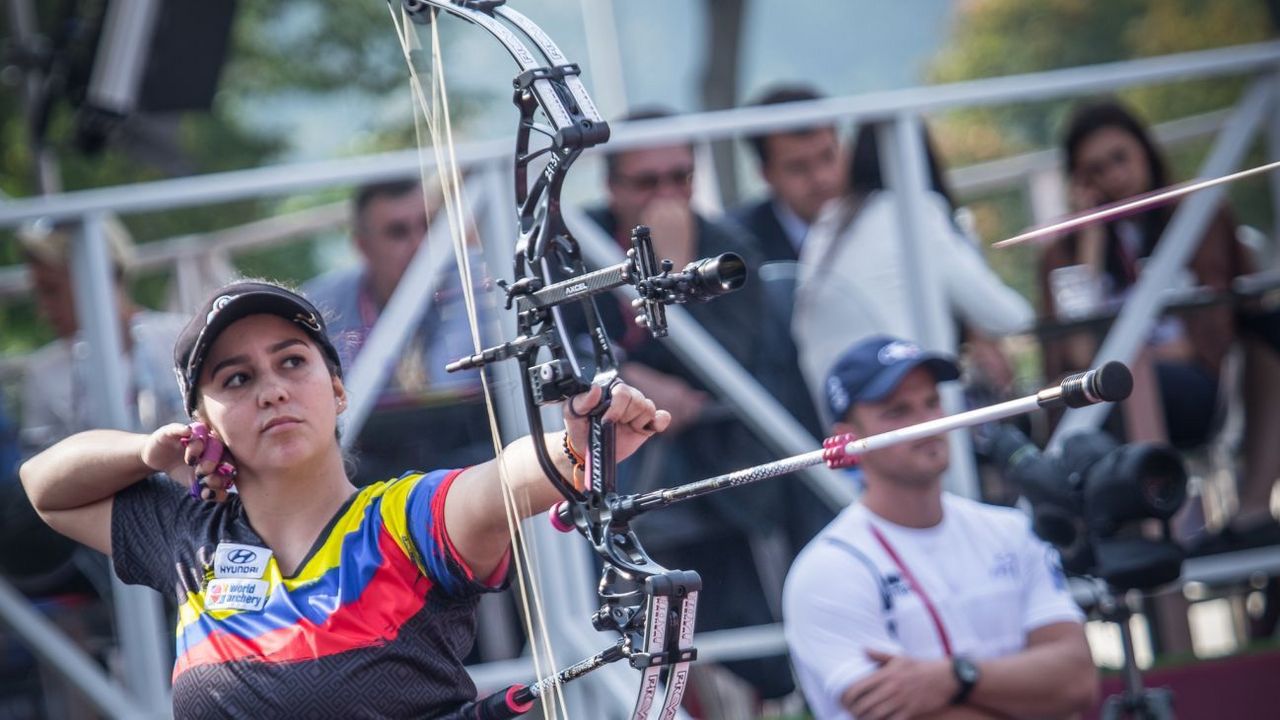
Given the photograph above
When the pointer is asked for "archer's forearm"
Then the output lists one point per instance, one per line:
(1055, 679)
(476, 509)
(83, 469)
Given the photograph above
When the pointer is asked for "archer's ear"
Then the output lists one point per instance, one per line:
(339, 393)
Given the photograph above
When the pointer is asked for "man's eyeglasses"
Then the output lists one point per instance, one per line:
(648, 182)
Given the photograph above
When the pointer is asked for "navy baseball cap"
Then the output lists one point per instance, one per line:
(872, 369)
(230, 303)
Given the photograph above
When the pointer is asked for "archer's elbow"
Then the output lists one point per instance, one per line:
(31, 474)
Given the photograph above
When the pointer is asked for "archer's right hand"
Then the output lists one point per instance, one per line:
(184, 454)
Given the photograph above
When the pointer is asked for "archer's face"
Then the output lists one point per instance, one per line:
(641, 177)
(805, 170)
(267, 392)
(913, 464)
(391, 230)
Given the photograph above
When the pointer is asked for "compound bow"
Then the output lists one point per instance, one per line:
(652, 609)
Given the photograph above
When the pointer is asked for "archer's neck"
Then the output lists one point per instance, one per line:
(907, 505)
(290, 509)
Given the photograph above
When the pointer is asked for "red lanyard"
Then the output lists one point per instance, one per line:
(917, 588)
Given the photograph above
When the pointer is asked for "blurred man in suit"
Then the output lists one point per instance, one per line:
(803, 168)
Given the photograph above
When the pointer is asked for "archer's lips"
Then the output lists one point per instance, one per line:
(281, 421)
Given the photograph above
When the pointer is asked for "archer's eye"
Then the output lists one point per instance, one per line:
(235, 380)
(293, 361)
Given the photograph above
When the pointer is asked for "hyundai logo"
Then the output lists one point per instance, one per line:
(242, 556)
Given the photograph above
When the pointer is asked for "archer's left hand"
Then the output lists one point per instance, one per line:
(634, 415)
(901, 689)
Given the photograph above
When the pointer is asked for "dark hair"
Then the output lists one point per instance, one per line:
(865, 175)
(644, 112)
(1089, 118)
(366, 194)
(777, 95)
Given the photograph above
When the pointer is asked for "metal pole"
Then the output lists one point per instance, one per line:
(905, 164)
(138, 611)
(49, 643)
(1179, 241)
(1273, 154)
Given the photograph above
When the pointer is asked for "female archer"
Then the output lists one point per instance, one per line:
(299, 595)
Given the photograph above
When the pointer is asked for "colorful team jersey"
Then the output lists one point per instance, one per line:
(374, 622)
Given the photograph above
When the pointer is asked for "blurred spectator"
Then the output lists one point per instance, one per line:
(918, 603)
(425, 417)
(1110, 156)
(804, 170)
(722, 536)
(854, 281)
(56, 400)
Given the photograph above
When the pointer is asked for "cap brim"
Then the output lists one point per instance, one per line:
(238, 308)
(942, 368)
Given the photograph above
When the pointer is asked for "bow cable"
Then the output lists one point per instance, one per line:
(435, 114)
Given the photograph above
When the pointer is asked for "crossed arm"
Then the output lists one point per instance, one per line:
(1053, 677)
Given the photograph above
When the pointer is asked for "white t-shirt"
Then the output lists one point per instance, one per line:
(854, 283)
(989, 578)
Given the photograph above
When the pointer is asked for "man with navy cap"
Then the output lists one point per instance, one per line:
(915, 602)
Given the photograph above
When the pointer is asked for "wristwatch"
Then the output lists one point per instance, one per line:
(967, 674)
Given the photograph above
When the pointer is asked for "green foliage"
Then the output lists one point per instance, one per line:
(1006, 37)
(993, 38)
(303, 51)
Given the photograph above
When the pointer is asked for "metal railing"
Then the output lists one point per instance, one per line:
(900, 112)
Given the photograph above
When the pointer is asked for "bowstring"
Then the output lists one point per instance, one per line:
(435, 114)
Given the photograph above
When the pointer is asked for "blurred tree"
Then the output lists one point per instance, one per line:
(992, 38)
(305, 51)
(1006, 37)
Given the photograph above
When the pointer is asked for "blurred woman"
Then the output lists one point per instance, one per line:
(299, 596)
(1110, 157)
(854, 281)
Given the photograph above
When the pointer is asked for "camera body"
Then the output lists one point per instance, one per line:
(1105, 506)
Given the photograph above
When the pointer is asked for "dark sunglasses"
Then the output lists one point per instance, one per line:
(648, 182)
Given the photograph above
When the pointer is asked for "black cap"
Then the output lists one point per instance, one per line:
(230, 303)
(872, 369)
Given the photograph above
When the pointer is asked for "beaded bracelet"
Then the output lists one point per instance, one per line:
(575, 457)
(579, 463)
